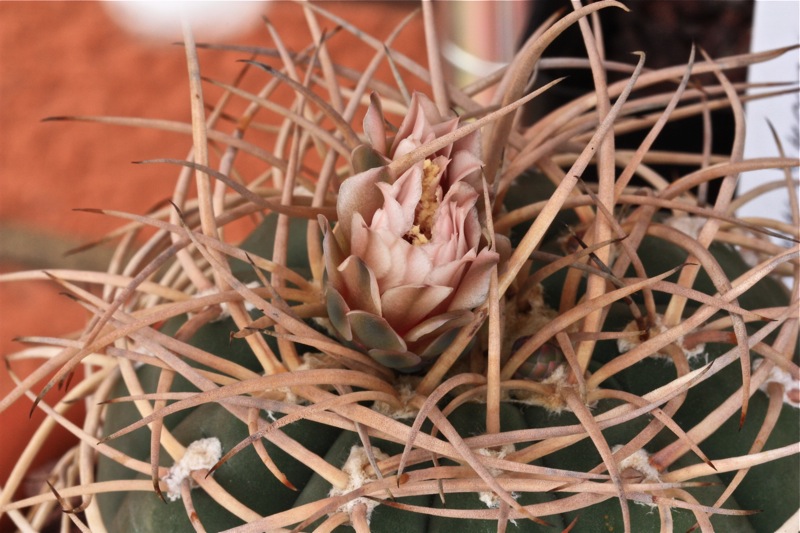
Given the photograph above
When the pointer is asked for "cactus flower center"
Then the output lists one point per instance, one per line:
(420, 232)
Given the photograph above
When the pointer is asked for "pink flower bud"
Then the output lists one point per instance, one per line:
(407, 264)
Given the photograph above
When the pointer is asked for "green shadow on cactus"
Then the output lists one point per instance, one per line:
(262, 240)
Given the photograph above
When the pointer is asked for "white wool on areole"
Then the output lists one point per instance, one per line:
(201, 454)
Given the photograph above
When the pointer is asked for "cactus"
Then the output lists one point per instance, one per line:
(607, 356)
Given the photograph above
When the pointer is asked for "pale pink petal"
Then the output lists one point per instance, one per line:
(358, 235)
(410, 265)
(471, 230)
(359, 194)
(417, 123)
(408, 188)
(455, 248)
(370, 247)
(360, 286)
(405, 146)
(443, 227)
(470, 143)
(418, 266)
(400, 201)
(462, 166)
(390, 217)
(374, 125)
(443, 128)
(427, 108)
(442, 251)
(449, 274)
(406, 305)
(457, 206)
(437, 324)
(474, 287)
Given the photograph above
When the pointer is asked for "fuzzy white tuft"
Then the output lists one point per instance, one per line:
(313, 360)
(625, 344)
(490, 499)
(791, 387)
(406, 391)
(552, 403)
(200, 455)
(640, 462)
(360, 473)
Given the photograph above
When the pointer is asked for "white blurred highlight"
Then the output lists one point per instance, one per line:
(774, 25)
(160, 21)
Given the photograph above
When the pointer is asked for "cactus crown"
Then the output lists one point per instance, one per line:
(410, 322)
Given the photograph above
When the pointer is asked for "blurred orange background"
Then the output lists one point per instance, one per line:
(70, 58)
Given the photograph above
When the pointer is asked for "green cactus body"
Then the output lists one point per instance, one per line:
(245, 477)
